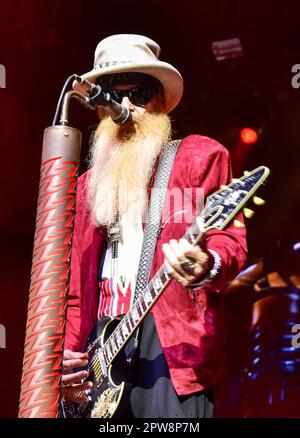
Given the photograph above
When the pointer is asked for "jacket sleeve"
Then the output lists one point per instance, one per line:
(230, 244)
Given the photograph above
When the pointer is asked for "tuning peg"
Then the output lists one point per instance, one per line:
(248, 213)
(246, 172)
(258, 201)
(238, 224)
(235, 180)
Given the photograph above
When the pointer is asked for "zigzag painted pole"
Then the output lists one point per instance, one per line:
(40, 386)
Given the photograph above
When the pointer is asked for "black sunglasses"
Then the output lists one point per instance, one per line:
(139, 96)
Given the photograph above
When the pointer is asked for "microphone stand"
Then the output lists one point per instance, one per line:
(46, 316)
(44, 340)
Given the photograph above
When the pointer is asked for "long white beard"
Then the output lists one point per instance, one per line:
(121, 165)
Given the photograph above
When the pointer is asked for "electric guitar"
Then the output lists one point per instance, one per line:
(105, 345)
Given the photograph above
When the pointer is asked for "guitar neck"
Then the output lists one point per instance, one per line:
(135, 316)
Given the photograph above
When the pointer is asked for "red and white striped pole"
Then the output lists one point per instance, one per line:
(43, 351)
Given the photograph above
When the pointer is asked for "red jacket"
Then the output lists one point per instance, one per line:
(190, 333)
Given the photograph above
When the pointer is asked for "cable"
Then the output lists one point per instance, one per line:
(70, 78)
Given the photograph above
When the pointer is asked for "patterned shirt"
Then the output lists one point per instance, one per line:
(118, 276)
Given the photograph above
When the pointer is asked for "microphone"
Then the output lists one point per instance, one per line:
(97, 97)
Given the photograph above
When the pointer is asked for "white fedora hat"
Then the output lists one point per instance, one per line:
(135, 53)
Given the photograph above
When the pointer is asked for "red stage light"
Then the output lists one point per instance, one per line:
(248, 135)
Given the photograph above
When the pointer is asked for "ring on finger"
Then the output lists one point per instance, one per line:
(188, 265)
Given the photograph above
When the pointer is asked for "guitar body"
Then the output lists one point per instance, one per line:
(110, 395)
(111, 386)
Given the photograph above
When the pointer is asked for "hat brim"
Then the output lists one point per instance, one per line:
(169, 77)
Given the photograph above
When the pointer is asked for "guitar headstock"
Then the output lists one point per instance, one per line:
(223, 205)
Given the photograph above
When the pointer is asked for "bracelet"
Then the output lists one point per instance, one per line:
(212, 273)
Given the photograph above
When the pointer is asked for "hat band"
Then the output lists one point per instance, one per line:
(110, 80)
(110, 63)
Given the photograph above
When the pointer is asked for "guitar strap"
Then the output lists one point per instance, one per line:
(152, 231)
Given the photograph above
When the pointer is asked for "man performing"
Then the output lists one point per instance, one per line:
(179, 353)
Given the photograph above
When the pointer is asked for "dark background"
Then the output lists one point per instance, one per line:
(42, 43)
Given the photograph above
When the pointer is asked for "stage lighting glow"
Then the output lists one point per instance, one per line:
(248, 136)
(296, 246)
